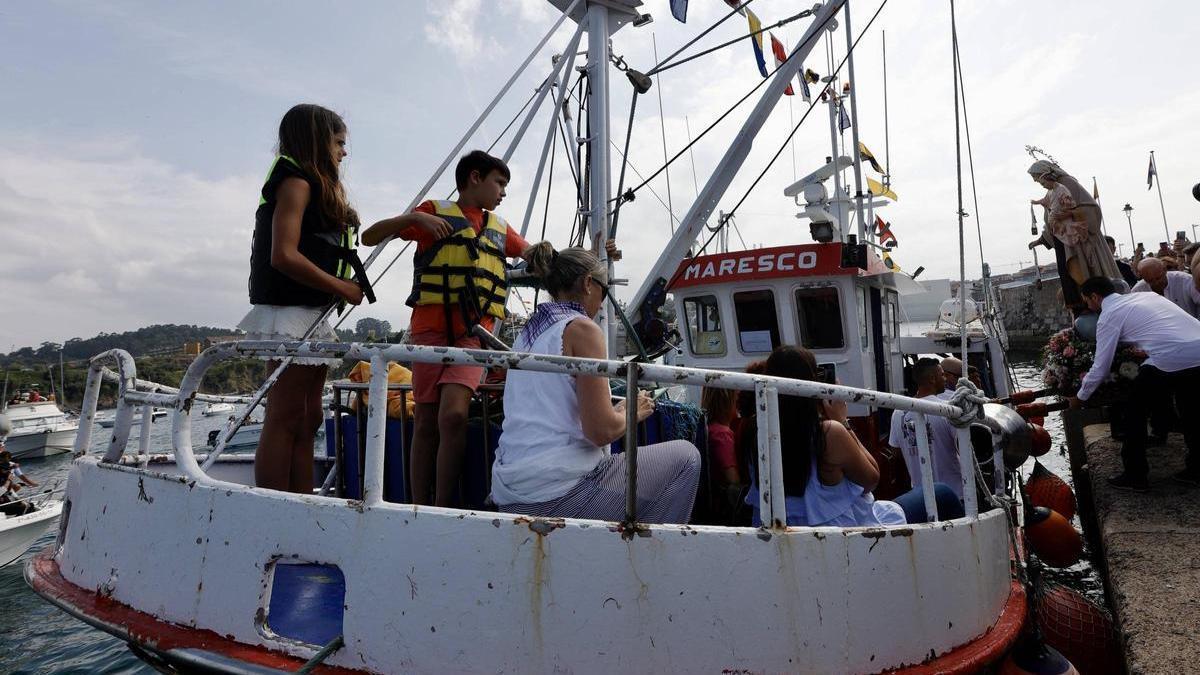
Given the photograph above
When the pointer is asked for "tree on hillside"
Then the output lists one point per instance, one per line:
(369, 329)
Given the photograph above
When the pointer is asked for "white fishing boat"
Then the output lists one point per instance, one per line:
(19, 533)
(215, 409)
(221, 576)
(107, 418)
(39, 429)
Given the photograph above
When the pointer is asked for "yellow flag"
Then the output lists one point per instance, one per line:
(889, 263)
(878, 190)
(870, 157)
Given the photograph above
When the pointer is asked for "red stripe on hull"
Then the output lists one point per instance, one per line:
(160, 637)
(987, 649)
(145, 631)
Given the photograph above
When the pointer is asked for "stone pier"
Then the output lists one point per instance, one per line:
(1151, 548)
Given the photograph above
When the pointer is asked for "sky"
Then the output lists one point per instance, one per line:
(136, 135)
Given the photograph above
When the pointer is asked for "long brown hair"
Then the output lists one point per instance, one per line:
(306, 135)
(799, 417)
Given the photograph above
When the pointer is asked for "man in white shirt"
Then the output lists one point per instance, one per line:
(1178, 287)
(1171, 339)
(943, 443)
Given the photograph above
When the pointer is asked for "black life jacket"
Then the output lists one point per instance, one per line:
(331, 250)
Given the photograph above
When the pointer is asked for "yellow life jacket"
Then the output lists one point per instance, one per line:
(464, 269)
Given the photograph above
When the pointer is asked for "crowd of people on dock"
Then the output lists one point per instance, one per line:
(1151, 301)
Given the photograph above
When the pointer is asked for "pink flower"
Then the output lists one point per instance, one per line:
(1069, 352)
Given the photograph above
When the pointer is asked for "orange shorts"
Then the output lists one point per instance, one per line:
(427, 378)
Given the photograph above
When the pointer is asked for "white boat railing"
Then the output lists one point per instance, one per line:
(132, 392)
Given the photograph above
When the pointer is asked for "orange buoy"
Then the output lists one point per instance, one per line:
(1039, 440)
(1052, 537)
(1032, 656)
(1080, 629)
(1046, 489)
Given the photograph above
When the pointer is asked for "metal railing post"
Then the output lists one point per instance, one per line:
(926, 463)
(631, 422)
(144, 441)
(376, 432)
(966, 463)
(87, 408)
(772, 500)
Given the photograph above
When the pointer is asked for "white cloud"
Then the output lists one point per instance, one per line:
(454, 25)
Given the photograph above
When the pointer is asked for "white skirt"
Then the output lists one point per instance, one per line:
(289, 323)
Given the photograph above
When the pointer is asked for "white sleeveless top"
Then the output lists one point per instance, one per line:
(542, 452)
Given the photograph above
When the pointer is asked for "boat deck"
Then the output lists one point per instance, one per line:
(1151, 545)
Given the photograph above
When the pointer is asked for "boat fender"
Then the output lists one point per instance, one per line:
(1039, 440)
(1052, 537)
(1047, 489)
(1079, 629)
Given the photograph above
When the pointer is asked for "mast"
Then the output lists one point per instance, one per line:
(735, 156)
(858, 181)
(599, 170)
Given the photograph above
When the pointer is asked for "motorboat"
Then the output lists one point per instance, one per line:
(39, 429)
(19, 533)
(108, 418)
(215, 409)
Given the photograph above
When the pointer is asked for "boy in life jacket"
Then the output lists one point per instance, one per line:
(458, 282)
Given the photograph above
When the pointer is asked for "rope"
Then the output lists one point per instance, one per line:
(546, 212)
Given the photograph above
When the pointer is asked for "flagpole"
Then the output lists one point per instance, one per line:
(1166, 229)
(858, 182)
(1096, 196)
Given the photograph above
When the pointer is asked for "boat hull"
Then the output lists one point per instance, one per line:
(434, 589)
(41, 443)
(18, 533)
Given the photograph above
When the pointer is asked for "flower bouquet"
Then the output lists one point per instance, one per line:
(1068, 358)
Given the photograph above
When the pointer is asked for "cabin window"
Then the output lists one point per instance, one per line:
(758, 327)
(893, 308)
(704, 325)
(819, 315)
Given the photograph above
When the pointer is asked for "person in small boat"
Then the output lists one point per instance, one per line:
(7, 465)
(301, 261)
(553, 457)
(459, 282)
(1170, 337)
(1072, 229)
(11, 503)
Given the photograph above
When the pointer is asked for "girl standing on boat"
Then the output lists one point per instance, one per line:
(553, 457)
(1072, 230)
(300, 263)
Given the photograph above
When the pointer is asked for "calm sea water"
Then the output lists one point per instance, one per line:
(38, 638)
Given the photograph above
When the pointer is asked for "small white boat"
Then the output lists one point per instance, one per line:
(18, 533)
(39, 429)
(108, 418)
(215, 409)
(244, 439)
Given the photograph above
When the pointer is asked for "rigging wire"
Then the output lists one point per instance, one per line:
(662, 123)
(807, 112)
(546, 212)
(962, 92)
(887, 146)
(660, 64)
(747, 36)
(616, 214)
(811, 105)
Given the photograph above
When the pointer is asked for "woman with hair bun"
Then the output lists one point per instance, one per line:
(553, 457)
